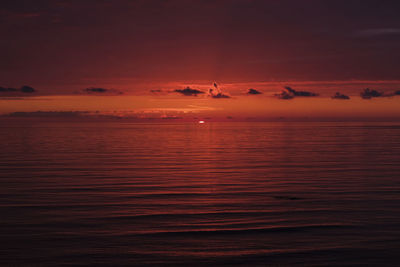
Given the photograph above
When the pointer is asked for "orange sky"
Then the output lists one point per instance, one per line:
(238, 106)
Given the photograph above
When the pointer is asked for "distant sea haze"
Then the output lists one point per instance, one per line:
(209, 194)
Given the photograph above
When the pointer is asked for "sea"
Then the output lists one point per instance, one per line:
(189, 194)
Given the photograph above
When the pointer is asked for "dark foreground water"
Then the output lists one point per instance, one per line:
(191, 194)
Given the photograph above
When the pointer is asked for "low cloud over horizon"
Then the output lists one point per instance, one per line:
(372, 93)
(252, 91)
(216, 92)
(290, 93)
(189, 91)
(100, 90)
(22, 91)
(339, 95)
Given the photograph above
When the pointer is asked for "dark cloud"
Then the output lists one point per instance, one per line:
(371, 93)
(4, 89)
(159, 92)
(338, 95)
(284, 95)
(397, 92)
(289, 93)
(253, 92)
(13, 92)
(99, 90)
(47, 114)
(96, 90)
(189, 91)
(220, 95)
(27, 89)
(299, 93)
(216, 92)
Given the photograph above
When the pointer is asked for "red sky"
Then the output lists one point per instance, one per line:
(62, 47)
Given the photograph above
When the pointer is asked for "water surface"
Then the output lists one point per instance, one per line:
(118, 193)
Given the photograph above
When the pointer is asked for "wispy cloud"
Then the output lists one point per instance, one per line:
(47, 114)
(8, 15)
(378, 32)
(187, 109)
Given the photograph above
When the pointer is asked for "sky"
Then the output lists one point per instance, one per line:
(135, 58)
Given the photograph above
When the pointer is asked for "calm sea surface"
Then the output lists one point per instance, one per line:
(200, 194)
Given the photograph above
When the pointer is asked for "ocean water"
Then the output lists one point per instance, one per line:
(188, 194)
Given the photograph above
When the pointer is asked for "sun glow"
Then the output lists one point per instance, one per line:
(201, 121)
